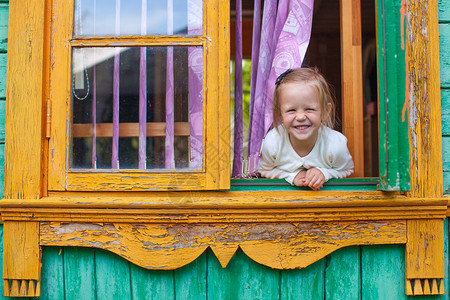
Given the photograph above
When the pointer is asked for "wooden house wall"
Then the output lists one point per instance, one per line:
(367, 272)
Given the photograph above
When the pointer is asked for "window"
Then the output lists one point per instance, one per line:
(47, 196)
(132, 109)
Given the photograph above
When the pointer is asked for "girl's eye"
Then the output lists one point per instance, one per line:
(310, 109)
(291, 110)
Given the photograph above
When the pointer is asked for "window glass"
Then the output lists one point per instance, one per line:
(137, 17)
(137, 108)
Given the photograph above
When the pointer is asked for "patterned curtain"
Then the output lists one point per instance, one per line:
(279, 44)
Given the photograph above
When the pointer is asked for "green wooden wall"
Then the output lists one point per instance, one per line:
(367, 272)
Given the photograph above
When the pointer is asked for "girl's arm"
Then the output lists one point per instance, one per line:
(339, 160)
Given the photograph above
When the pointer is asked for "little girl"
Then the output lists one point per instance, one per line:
(302, 148)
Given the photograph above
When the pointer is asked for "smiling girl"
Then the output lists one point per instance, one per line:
(302, 148)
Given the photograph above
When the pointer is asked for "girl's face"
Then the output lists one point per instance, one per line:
(300, 114)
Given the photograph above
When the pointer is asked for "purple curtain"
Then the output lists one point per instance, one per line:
(195, 63)
(238, 115)
(284, 38)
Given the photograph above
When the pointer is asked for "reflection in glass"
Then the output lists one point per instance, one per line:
(124, 102)
(137, 17)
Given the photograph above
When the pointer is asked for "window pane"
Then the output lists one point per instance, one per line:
(137, 17)
(137, 108)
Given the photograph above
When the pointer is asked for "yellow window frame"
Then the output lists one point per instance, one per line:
(215, 170)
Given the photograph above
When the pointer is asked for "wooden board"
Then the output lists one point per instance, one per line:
(79, 273)
(342, 274)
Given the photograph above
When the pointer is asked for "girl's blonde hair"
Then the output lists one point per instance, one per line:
(313, 78)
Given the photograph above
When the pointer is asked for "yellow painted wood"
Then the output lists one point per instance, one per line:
(134, 181)
(212, 97)
(60, 179)
(225, 199)
(224, 92)
(424, 97)
(351, 73)
(286, 246)
(24, 100)
(127, 41)
(128, 129)
(199, 215)
(418, 287)
(434, 287)
(425, 249)
(224, 253)
(23, 264)
(59, 90)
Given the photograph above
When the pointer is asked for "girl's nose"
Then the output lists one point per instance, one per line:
(301, 116)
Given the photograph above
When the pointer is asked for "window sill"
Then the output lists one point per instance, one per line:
(223, 206)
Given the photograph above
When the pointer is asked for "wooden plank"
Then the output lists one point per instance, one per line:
(2, 122)
(382, 272)
(425, 262)
(112, 275)
(128, 129)
(444, 11)
(24, 94)
(444, 43)
(79, 274)
(445, 108)
(3, 63)
(351, 73)
(190, 281)
(23, 265)
(127, 41)
(342, 274)
(52, 280)
(135, 180)
(393, 122)
(305, 283)
(150, 284)
(2, 297)
(59, 92)
(2, 174)
(424, 99)
(224, 96)
(4, 9)
(242, 279)
(212, 96)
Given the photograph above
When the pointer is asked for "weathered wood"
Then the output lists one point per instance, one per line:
(79, 274)
(24, 94)
(128, 129)
(23, 264)
(150, 284)
(286, 246)
(342, 274)
(112, 276)
(223, 156)
(242, 279)
(425, 249)
(52, 283)
(424, 99)
(4, 9)
(382, 272)
(149, 41)
(392, 95)
(444, 43)
(304, 284)
(351, 73)
(187, 211)
(190, 282)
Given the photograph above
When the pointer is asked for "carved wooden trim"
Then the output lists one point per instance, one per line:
(170, 246)
(424, 258)
(21, 269)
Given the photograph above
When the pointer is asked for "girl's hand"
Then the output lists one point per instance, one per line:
(314, 179)
(299, 178)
